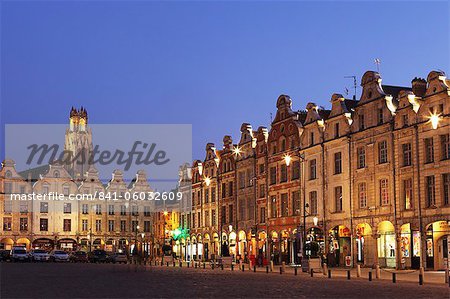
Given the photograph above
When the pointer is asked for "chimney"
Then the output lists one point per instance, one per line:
(419, 86)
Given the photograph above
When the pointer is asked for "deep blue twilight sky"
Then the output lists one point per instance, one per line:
(211, 64)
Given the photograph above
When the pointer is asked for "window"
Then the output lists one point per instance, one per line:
(241, 177)
(7, 206)
(98, 225)
(283, 145)
(7, 223)
(98, 209)
(361, 163)
(336, 130)
(445, 146)
(43, 207)
(199, 219)
(296, 203)
(207, 224)
(8, 188)
(230, 188)
(407, 194)
(123, 225)
(313, 202)
(207, 190)
(338, 199)
(337, 163)
(382, 152)
(23, 207)
(8, 174)
(431, 192)
(361, 123)
(134, 226)
(67, 208)
(213, 217)
(273, 175)
(380, 116)
(311, 138)
(230, 213)
(84, 225)
(135, 210)
(110, 209)
(429, 150)
(146, 211)
(224, 190)
(284, 205)
(362, 194)
(446, 182)
(250, 177)
(123, 210)
(147, 226)
(213, 194)
(110, 225)
(312, 169)
(261, 168)
(384, 192)
(67, 223)
(283, 176)
(262, 215)
(23, 224)
(223, 215)
(66, 190)
(241, 209)
(273, 207)
(405, 120)
(43, 224)
(262, 191)
(295, 170)
(85, 209)
(407, 156)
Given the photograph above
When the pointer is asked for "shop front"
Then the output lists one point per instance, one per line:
(364, 243)
(386, 244)
(437, 245)
(315, 242)
(339, 245)
(6, 243)
(232, 248)
(242, 246)
(409, 247)
(285, 247)
(67, 244)
(206, 247)
(23, 242)
(43, 243)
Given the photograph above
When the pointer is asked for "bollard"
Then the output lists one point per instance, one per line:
(295, 271)
(378, 273)
(329, 273)
(358, 270)
(162, 263)
(189, 264)
(195, 265)
(394, 278)
(232, 267)
(167, 264)
(281, 270)
(312, 272)
(254, 268)
(348, 274)
(370, 275)
(213, 265)
(181, 264)
(204, 265)
(267, 269)
(243, 267)
(420, 279)
(283, 265)
(174, 263)
(221, 266)
(271, 266)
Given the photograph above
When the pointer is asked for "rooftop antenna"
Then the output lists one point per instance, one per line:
(355, 85)
(377, 61)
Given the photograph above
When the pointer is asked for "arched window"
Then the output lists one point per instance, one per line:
(283, 144)
(8, 174)
(56, 174)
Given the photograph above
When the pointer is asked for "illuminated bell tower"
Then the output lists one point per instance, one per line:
(78, 143)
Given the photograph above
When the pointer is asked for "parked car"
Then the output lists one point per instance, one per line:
(5, 255)
(19, 254)
(59, 256)
(39, 255)
(98, 256)
(119, 258)
(79, 257)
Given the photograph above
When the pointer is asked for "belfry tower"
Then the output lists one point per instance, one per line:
(78, 143)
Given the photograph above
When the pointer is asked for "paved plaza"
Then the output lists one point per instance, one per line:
(126, 281)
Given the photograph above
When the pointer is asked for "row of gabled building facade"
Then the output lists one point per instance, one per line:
(366, 182)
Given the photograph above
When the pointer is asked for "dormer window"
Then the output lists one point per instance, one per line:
(8, 174)
(311, 138)
(336, 130)
(56, 174)
(361, 121)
